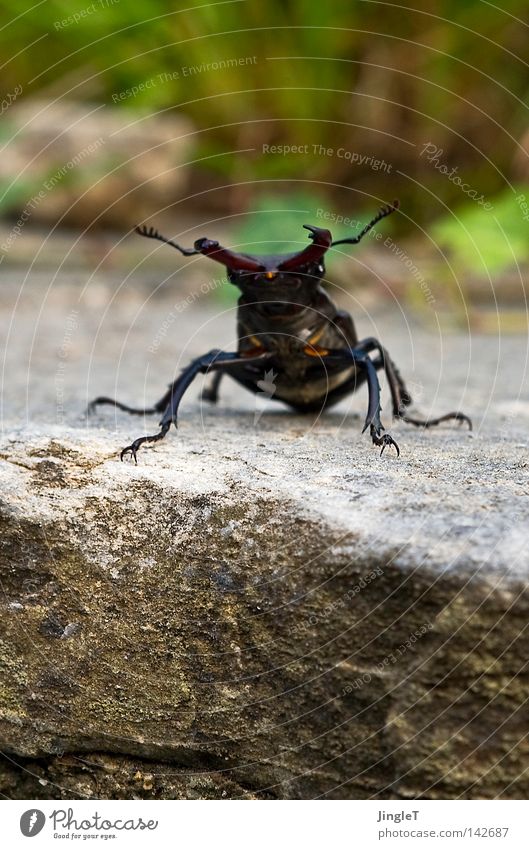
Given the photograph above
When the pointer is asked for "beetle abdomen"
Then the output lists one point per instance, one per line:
(312, 393)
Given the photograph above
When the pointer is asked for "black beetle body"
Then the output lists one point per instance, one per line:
(289, 327)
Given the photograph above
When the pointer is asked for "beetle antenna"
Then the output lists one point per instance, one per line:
(385, 210)
(151, 233)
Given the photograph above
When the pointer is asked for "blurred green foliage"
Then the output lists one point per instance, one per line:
(366, 76)
(275, 219)
(483, 243)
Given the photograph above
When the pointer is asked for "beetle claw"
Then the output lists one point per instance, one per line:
(133, 450)
(384, 439)
(388, 440)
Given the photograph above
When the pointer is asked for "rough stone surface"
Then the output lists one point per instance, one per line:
(263, 607)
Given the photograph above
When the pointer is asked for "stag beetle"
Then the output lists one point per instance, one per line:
(288, 325)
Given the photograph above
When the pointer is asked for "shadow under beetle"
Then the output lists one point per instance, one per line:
(288, 323)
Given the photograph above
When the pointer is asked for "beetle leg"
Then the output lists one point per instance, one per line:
(135, 411)
(373, 422)
(211, 393)
(399, 394)
(455, 416)
(213, 360)
(133, 447)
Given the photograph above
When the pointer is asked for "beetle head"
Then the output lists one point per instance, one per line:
(267, 273)
(264, 276)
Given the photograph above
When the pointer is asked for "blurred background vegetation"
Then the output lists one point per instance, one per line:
(211, 86)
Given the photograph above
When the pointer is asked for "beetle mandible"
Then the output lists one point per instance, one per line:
(288, 324)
